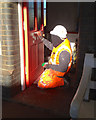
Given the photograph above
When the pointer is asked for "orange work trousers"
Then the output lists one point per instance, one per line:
(49, 79)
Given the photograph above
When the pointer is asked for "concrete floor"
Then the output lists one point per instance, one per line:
(40, 103)
(35, 102)
(17, 110)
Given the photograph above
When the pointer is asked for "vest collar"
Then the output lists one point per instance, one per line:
(63, 41)
(56, 40)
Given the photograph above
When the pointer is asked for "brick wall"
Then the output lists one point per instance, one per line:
(10, 54)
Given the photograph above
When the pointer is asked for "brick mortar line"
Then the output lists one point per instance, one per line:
(14, 40)
(12, 14)
(9, 30)
(11, 65)
(11, 60)
(8, 19)
(10, 70)
(14, 73)
(9, 8)
(16, 76)
(18, 49)
(8, 25)
(8, 35)
(11, 40)
(10, 50)
(10, 76)
(6, 69)
(10, 45)
(7, 2)
(10, 55)
(17, 71)
(9, 13)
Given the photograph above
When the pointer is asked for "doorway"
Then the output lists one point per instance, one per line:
(33, 27)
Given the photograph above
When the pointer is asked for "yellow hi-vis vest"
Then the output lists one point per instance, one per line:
(49, 78)
(56, 52)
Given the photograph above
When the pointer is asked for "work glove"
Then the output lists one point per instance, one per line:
(39, 36)
(45, 65)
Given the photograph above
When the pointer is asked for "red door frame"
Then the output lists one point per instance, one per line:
(26, 40)
(42, 15)
(35, 15)
(23, 45)
(26, 33)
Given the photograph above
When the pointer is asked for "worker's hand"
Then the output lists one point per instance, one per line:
(41, 38)
(46, 66)
(39, 35)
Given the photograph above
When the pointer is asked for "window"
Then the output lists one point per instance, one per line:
(31, 15)
(36, 17)
(39, 15)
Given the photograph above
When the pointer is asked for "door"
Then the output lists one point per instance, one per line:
(34, 48)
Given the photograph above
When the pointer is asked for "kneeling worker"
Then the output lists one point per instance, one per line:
(60, 61)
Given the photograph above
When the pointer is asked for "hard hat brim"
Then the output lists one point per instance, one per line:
(52, 32)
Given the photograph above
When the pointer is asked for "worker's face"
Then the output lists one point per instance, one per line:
(56, 40)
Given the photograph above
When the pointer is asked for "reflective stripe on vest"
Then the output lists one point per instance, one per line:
(62, 47)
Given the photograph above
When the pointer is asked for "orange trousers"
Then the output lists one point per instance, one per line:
(49, 79)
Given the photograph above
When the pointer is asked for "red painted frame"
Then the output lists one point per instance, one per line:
(42, 15)
(25, 6)
(35, 15)
(26, 40)
(23, 44)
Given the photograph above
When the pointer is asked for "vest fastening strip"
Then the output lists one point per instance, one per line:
(63, 46)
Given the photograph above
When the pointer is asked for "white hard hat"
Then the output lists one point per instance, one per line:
(60, 31)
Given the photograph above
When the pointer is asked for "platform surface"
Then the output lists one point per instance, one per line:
(55, 100)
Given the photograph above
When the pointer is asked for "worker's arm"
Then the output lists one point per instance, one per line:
(47, 43)
(64, 60)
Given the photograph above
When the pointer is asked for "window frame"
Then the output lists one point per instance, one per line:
(35, 17)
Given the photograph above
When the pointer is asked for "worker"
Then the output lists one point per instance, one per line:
(60, 60)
